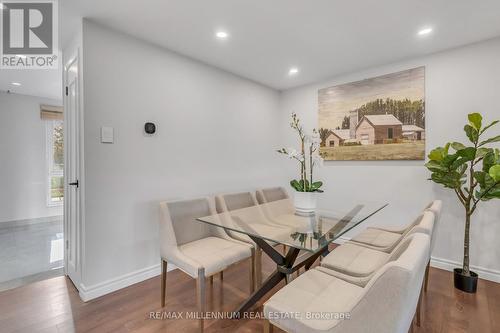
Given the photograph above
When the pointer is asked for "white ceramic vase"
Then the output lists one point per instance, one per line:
(305, 202)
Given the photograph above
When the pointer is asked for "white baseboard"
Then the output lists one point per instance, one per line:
(106, 287)
(449, 265)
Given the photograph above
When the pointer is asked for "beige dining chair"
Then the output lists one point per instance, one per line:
(319, 302)
(386, 238)
(265, 195)
(233, 201)
(357, 264)
(198, 249)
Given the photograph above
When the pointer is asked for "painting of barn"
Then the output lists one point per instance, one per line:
(381, 118)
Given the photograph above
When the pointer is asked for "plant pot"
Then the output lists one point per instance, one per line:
(305, 203)
(464, 282)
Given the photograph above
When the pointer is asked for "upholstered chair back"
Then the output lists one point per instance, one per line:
(390, 298)
(424, 225)
(435, 207)
(233, 201)
(271, 194)
(229, 202)
(178, 223)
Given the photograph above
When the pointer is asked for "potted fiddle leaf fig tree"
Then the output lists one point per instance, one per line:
(308, 157)
(473, 173)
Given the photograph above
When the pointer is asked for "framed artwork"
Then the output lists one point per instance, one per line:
(381, 118)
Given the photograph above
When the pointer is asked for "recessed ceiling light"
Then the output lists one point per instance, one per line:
(17, 84)
(425, 31)
(221, 35)
(293, 71)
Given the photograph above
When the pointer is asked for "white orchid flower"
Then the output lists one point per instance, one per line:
(292, 152)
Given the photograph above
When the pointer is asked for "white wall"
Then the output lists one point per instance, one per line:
(216, 132)
(458, 82)
(23, 166)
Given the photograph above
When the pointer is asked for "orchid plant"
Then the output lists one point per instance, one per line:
(308, 157)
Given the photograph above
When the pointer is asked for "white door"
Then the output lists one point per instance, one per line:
(72, 171)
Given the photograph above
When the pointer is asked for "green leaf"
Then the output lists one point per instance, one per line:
(436, 154)
(491, 140)
(490, 189)
(296, 185)
(468, 153)
(448, 179)
(490, 125)
(495, 172)
(435, 166)
(471, 133)
(457, 146)
(479, 176)
(448, 160)
(316, 185)
(490, 159)
(462, 161)
(481, 152)
(476, 120)
(446, 149)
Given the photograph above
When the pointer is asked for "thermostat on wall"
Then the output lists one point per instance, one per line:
(149, 128)
(107, 135)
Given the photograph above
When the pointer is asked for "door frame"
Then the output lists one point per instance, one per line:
(76, 276)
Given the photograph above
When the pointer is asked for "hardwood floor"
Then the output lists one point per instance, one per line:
(54, 306)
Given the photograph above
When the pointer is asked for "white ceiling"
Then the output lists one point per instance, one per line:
(41, 83)
(323, 38)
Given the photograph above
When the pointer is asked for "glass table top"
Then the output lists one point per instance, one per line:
(277, 222)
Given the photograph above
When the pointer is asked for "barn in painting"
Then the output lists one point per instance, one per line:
(379, 129)
(337, 138)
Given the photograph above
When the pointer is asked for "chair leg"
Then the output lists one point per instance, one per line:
(258, 266)
(419, 306)
(221, 275)
(426, 278)
(252, 272)
(211, 278)
(200, 296)
(268, 327)
(163, 282)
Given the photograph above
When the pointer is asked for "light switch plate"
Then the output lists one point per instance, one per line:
(107, 135)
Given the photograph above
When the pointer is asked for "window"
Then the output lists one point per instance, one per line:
(332, 143)
(390, 133)
(55, 161)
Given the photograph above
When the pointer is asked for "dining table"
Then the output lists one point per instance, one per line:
(307, 236)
